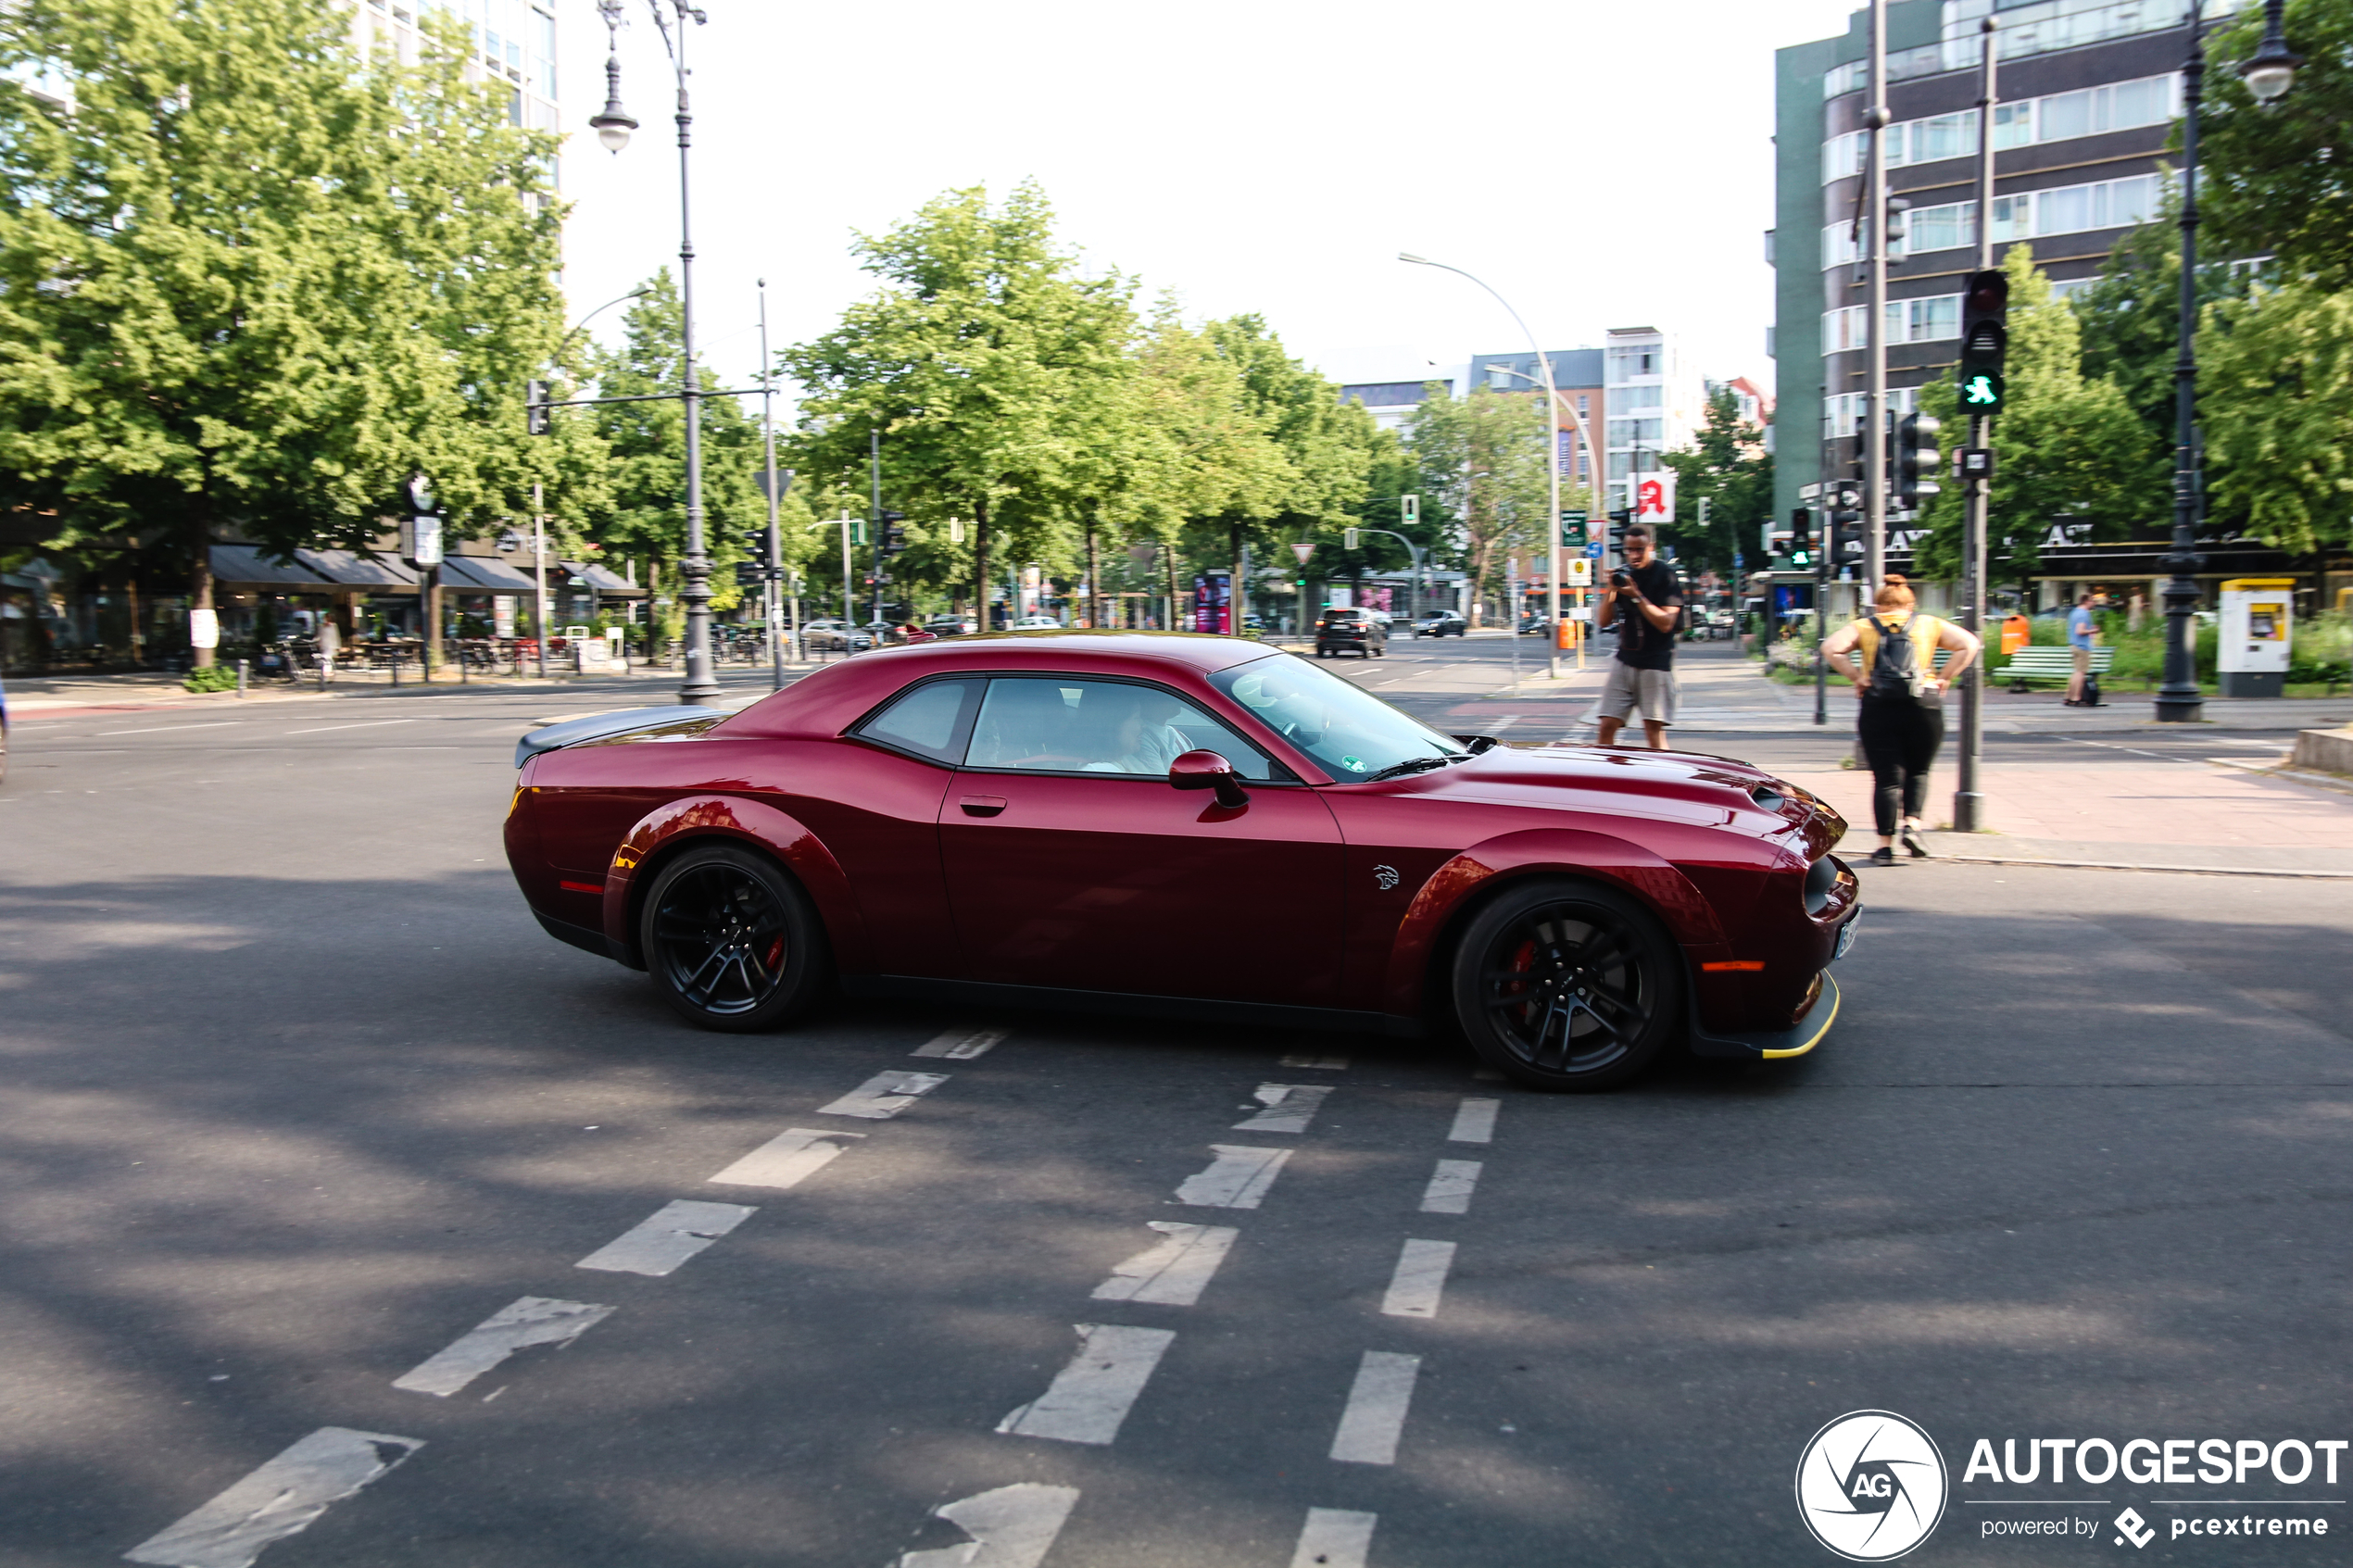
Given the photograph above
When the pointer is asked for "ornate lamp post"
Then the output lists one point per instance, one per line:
(612, 128)
(2268, 74)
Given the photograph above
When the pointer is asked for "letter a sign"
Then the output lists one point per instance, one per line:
(1655, 498)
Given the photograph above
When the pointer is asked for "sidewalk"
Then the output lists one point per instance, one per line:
(65, 696)
(1722, 690)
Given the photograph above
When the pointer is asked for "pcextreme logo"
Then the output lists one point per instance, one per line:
(1871, 1486)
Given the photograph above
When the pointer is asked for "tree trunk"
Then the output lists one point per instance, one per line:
(1094, 583)
(200, 590)
(980, 561)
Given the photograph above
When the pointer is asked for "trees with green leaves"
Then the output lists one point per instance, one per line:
(2070, 446)
(646, 514)
(1481, 463)
(2273, 179)
(2275, 378)
(1728, 468)
(249, 281)
(1000, 376)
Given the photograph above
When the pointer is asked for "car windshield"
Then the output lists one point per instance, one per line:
(1349, 733)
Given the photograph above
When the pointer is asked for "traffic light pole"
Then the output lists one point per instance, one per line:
(1969, 798)
(775, 561)
(2179, 700)
(874, 512)
(1822, 635)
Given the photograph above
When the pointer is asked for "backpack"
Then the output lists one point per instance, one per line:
(1895, 661)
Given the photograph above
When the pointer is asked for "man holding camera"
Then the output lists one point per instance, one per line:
(1646, 603)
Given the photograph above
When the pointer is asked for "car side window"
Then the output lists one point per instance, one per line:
(930, 720)
(1061, 724)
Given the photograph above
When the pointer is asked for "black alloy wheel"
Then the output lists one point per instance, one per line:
(732, 941)
(1566, 986)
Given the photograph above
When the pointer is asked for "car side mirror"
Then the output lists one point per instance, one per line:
(1207, 769)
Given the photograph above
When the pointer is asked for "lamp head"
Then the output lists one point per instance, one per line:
(1416, 260)
(2269, 77)
(613, 126)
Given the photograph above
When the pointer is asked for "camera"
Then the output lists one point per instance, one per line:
(1620, 578)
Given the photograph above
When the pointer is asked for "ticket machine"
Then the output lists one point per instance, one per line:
(2252, 651)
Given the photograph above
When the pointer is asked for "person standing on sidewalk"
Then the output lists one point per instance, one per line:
(1645, 602)
(2081, 629)
(1901, 722)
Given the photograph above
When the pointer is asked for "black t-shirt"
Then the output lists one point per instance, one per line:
(1641, 643)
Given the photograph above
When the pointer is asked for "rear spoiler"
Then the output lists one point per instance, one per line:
(597, 726)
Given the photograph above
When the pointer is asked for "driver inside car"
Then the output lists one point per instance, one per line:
(1127, 731)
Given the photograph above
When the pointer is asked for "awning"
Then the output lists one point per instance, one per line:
(485, 574)
(350, 570)
(246, 564)
(603, 581)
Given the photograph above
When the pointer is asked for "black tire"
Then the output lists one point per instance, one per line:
(1566, 985)
(732, 942)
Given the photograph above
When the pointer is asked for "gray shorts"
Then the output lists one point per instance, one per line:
(1628, 688)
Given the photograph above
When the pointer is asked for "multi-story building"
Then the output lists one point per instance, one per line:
(1655, 405)
(1391, 403)
(514, 43)
(2088, 91)
(1577, 376)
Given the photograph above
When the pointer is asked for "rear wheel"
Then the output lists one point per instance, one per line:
(731, 940)
(1565, 986)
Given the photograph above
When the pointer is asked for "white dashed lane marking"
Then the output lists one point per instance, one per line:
(1238, 1178)
(533, 1320)
(1413, 1289)
(787, 1160)
(284, 1498)
(1375, 1418)
(1010, 1527)
(1323, 1063)
(1090, 1397)
(1175, 1272)
(1334, 1538)
(166, 729)
(1475, 1121)
(1289, 1107)
(962, 1044)
(671, 1236)
(1450, 1188)
(359, 724)
(884, 1096)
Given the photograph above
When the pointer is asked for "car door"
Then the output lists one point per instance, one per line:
(1071, 861)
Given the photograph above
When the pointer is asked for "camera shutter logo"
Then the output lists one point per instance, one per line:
(1871, 1486)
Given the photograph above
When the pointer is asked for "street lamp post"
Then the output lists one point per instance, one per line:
(2268, 74)
(1552, 454)
(1593, 458)
(612, 128)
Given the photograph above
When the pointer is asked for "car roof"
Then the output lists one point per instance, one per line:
(829, 700)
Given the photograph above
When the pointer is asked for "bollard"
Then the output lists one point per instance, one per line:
(395, 669)
(241, 677)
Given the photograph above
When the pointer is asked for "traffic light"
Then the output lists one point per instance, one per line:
(1801, 537)
(1914, 459)
(1845, 535)
(1409, 510)
(750, 575)
(1618, 521)
(1985, 337)
(1348, 538)
(534, 410)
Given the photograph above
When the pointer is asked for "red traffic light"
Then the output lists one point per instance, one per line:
(1988, 293)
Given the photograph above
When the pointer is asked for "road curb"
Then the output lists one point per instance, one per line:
(2136, 866)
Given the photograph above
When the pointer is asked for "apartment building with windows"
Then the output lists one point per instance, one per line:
(2089, 90)
(514, 44)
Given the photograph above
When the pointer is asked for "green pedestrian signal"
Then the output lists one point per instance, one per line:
(1983, 393)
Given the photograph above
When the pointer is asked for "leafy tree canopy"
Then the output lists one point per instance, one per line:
(2275, 378)
(2278, 180)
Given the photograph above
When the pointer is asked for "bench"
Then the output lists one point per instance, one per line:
(2048, 662)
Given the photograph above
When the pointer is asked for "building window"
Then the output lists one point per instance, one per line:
(1627, 397)
(2119, 105)
(1628, 433)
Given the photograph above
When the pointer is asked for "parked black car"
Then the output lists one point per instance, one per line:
(1441, 623)
(1340, 630)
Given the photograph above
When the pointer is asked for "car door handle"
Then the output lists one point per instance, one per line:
(982, 805)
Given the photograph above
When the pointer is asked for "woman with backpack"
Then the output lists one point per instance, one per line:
(1902, 691)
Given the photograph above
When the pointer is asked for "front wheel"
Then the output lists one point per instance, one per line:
(731, 940)
(1566, 986)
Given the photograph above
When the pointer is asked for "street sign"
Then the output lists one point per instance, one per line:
(1593, 550)
(1302, 552)
(1573, 528)
(421, 539)
(1655, 499)
(1581, 574)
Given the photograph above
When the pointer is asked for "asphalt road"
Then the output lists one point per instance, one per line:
(298, 1096)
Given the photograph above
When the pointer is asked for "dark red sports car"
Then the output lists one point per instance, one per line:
(1179, 825)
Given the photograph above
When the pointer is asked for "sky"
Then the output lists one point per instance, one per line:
(1599, 166)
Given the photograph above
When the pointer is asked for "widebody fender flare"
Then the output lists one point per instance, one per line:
(1689, 919)
(728, 817)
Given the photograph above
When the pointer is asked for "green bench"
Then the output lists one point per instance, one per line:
(2046, 662)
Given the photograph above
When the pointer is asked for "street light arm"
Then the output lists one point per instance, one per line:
(1560, 398)
(581, 325)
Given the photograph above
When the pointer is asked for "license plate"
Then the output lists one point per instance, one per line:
(1845, 937)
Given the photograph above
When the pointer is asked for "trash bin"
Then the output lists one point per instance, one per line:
(2258, 615)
